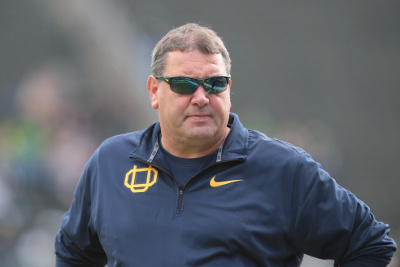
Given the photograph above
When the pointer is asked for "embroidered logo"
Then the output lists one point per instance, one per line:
(214, 183)
(138, 180)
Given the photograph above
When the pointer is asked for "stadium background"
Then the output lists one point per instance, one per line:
(322, 75)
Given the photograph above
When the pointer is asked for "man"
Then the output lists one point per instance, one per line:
(198, 189)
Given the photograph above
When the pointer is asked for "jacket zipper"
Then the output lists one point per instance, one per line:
(180, 200)
(180, 187)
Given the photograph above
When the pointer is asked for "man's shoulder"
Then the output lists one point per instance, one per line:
(121, 143)
(261, 140)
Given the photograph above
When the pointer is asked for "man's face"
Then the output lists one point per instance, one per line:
(196, 117)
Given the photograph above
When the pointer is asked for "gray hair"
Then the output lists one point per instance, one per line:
(187, 38)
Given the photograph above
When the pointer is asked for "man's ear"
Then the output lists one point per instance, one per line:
(229, 92)
(152, 87)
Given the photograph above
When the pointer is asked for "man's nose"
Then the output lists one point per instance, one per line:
(200, 97)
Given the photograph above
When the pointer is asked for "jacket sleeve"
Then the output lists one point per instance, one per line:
(76, 243)
(329, 222)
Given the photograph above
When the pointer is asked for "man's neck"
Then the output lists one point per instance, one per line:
(193, 148)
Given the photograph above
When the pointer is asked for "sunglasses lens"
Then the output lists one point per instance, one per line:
(216, 85)
(184, 85)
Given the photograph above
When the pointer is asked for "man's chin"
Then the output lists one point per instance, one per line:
(201, 133)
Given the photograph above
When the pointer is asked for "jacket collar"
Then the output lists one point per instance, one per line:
(233, 148)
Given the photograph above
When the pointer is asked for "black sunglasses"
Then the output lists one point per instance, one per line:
(187, 85)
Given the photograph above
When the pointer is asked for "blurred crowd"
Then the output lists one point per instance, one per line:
(44, 147)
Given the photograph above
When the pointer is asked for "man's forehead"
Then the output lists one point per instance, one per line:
(193, 56)
(194, 63)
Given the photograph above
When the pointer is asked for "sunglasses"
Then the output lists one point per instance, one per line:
(187, 85)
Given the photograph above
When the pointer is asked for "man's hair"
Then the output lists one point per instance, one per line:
(187, 38)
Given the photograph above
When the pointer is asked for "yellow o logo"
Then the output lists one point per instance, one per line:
(130, 179)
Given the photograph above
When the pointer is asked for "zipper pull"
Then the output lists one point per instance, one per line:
(180, 200)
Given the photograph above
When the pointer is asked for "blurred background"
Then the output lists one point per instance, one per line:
(323, 75)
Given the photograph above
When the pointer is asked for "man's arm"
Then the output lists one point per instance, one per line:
(76, 243)
(69, 254)
(331, 223)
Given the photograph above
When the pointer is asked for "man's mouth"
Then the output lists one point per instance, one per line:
(199, 116)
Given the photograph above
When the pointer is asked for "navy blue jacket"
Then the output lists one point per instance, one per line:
(129, 211)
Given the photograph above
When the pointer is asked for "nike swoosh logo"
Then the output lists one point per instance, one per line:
(214, 183)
